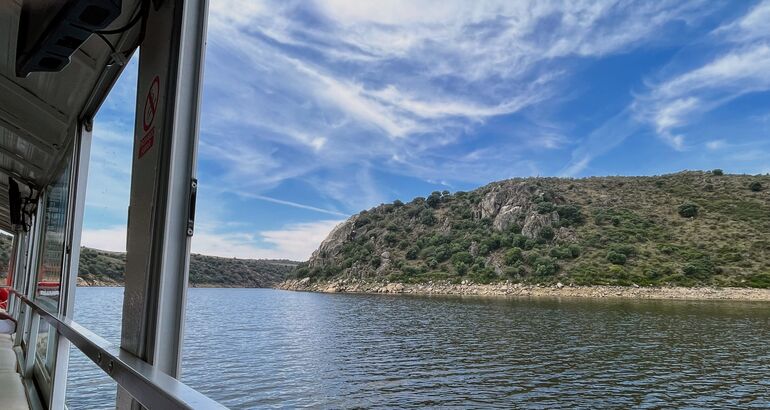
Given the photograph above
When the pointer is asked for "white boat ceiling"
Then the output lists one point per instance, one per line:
(39, 114)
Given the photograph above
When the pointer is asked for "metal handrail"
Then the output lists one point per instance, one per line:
(149, 386)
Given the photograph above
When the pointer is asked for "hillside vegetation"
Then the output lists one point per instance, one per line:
(6, 243)
(689, 228)
(101, 268)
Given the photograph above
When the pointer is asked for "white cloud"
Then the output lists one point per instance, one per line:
(293, 241)
(750, 26)
(716, 145)
(670, 115)
(367, 82)
(292, 204)
(674, 102)
(600, 141)
(107, 239)
(298, 241)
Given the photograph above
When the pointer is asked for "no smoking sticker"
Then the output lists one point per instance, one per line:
(148, 117)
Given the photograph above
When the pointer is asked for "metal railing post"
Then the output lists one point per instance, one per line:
(29, 359)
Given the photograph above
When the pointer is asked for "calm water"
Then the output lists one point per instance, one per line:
(254, 348)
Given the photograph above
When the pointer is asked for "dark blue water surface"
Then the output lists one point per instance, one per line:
(256, 348)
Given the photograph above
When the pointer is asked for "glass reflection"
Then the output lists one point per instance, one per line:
(49, 275)
(52, 256)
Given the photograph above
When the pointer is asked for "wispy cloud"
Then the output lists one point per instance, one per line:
(673, 102)
(602, 140)
(740, 69)
(329, 107)
(677, 98)
(293, 204)
(371, 82)
(752, 25)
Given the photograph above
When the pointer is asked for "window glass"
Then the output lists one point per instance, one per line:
(50, 267)
(52, 255)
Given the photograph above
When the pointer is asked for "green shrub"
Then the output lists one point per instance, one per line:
(755, 186)
(547, 233)
(518, 240)
(616, 258)
(545, 266)
(434, 199)
(515, 228)
(759, 280)
(545, 207)
(463, 257)
(461, 268)
(513, 256)
(362, 220)
(627, 250)
(391, 238)
(688, 210)
(717, 172)
(699, 268)
(570, 215)
(427, 217)
(431, 262)
(561, 252)
(515, 270)
(492, 243)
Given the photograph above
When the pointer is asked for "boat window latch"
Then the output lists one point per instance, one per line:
(191, 210)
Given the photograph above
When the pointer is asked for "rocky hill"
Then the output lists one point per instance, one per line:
(689, 228)
(99, 267)
(103, 268)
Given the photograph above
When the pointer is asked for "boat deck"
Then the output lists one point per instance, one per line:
(12, 393)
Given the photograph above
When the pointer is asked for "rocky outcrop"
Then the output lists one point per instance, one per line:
(536, 222)
(504, 198)
(511, 204)
(331, 246)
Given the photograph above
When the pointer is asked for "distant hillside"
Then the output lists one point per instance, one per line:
(689, 228)
(6, 242)
(103, 268)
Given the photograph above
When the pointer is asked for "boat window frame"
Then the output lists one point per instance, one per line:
(45, 368)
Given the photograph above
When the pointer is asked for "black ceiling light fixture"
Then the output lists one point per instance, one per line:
(51, 30)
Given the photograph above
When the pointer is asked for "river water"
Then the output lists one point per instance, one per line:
(257, 348)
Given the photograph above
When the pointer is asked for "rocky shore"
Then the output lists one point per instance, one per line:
(524, 290)
(90, 282)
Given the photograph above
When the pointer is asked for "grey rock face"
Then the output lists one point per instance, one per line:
(512, 204)
(333, 243)
(508, 216)
(535, 222)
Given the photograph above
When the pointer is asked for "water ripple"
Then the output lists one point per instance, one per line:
(256, 348)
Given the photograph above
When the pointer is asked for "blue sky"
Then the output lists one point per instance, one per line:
(313, 111)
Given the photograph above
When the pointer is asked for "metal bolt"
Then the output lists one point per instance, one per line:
(109, 367)
(99, 358)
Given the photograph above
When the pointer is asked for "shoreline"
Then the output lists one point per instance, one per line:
(509, 289)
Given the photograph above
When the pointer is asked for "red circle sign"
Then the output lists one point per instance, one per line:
(151, 103)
